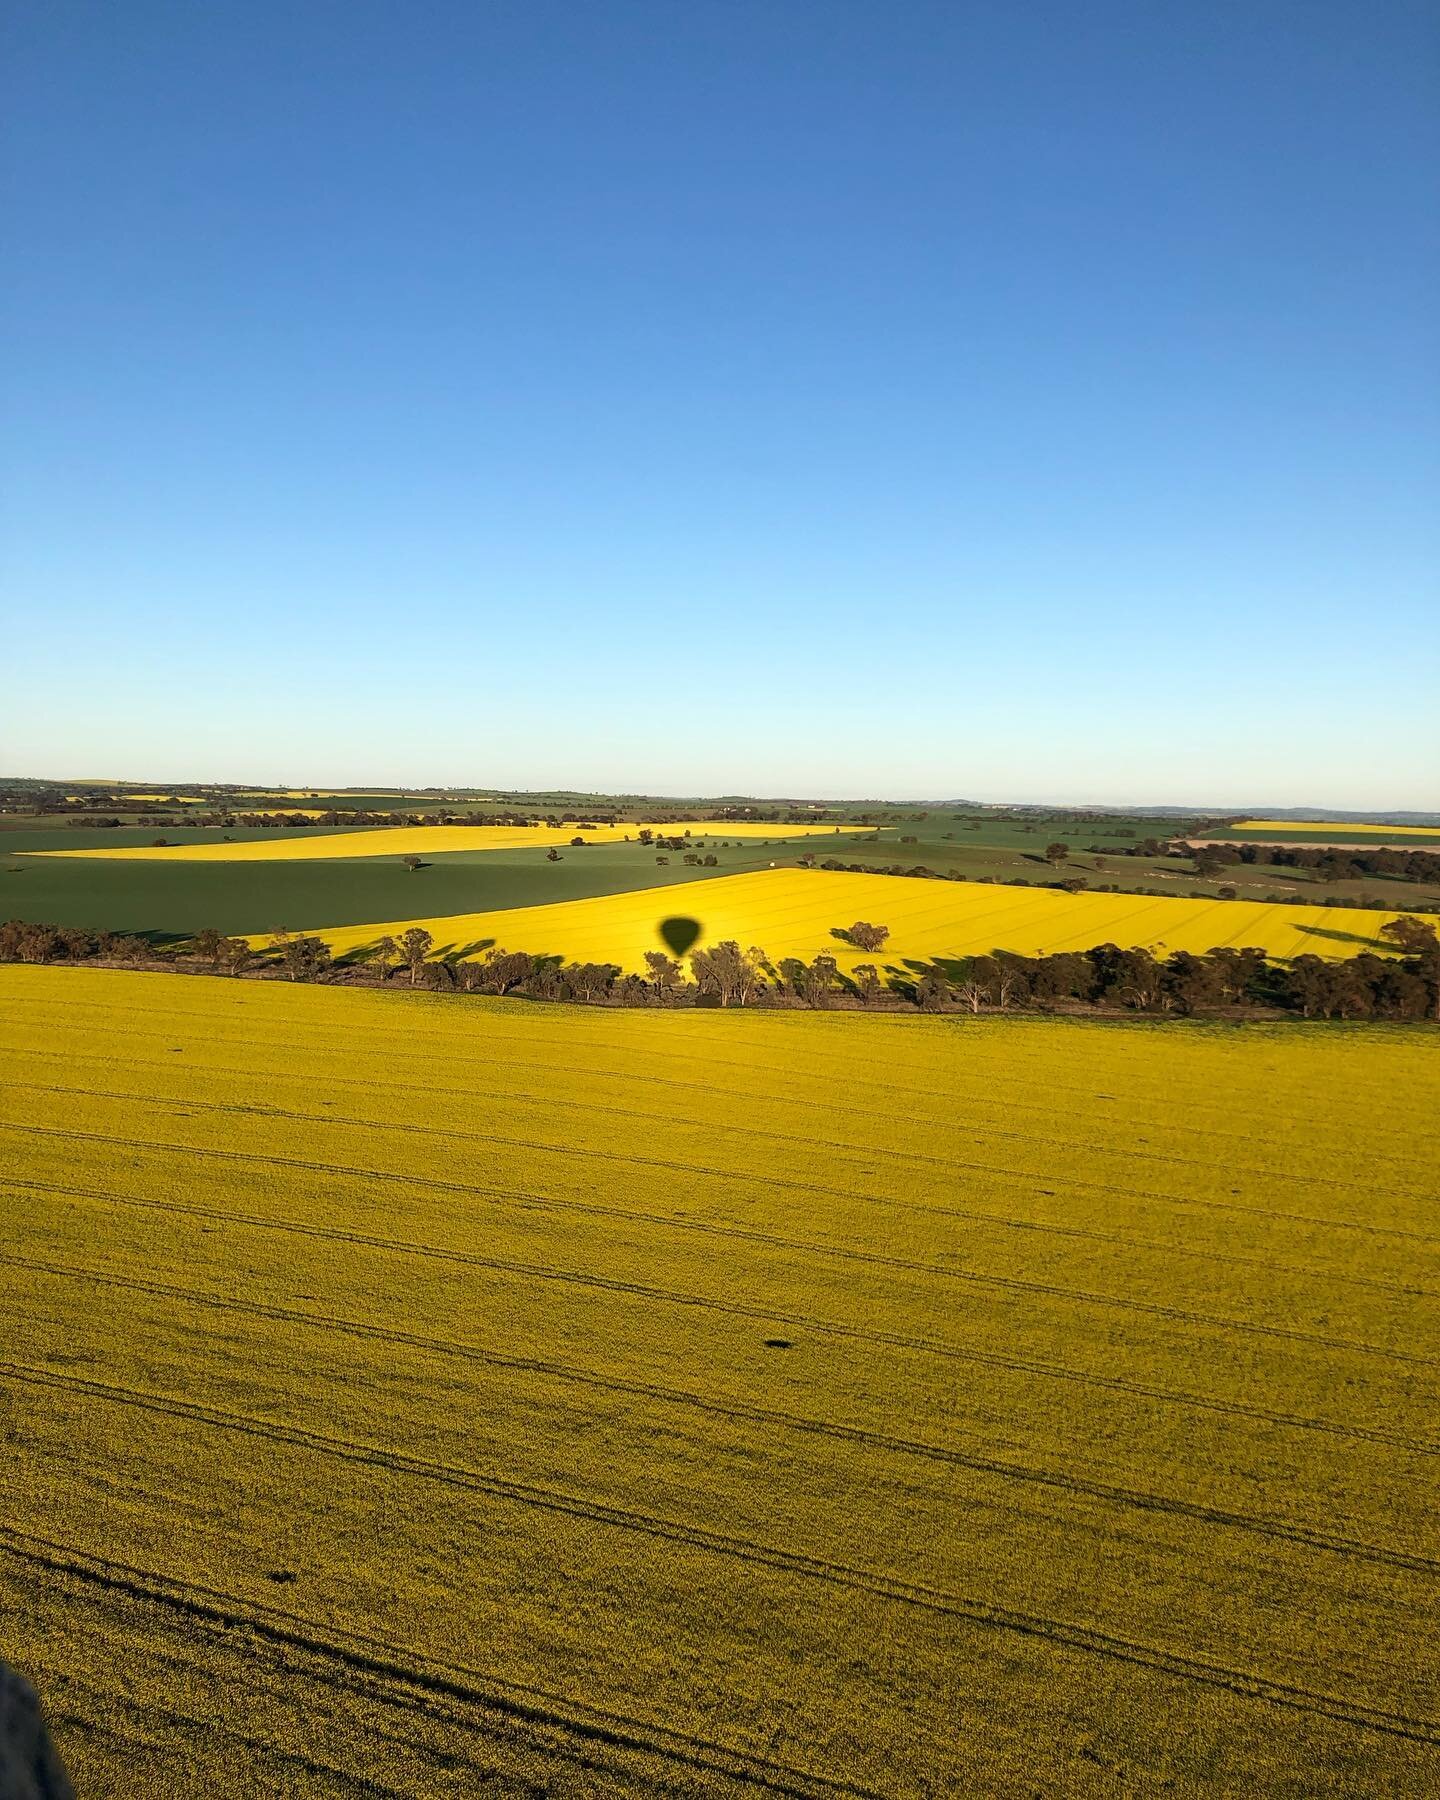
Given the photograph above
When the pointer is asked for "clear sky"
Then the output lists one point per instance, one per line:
(1011, 400)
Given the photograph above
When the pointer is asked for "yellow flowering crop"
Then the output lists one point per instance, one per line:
(447, 1396)
(432, 840)
(1323, 826)
(795, 912)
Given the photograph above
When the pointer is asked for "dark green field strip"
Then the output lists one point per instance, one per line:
(1075, 1635)
(177, 898)
(745, 1416)
(18, 842)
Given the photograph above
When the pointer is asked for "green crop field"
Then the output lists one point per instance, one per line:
(174, 899)
(170, 898)
(404, 1395)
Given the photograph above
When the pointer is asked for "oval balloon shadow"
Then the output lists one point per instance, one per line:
(679, 934)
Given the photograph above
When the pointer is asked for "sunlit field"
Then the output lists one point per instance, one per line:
(1345, 826)
(798, 912)
(434, 840)
(484, 1392)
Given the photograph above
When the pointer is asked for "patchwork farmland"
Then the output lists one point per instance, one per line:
(486, 1396)
(798, 912)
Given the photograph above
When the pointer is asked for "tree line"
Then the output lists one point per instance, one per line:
(1329, 864)
(1106, 978)
(1076, 884)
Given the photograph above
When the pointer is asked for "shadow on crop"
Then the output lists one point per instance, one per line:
(1329, 934)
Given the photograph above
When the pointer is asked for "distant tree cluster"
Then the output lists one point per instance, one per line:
(1328, 864)
(1358, 987)
(1074, 884)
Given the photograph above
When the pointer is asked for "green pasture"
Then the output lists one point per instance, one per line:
(173, 899)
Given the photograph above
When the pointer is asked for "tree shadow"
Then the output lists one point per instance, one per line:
(1344, 937)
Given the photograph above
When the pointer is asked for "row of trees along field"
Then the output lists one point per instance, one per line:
(1106, 978)
(1420, 867)
(1328, 864)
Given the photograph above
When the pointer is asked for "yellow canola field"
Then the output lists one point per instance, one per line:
(424, 1396)
(1334, 825)
(434, 840)
(794, 912)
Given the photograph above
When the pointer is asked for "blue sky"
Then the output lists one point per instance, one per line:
(1010, 400)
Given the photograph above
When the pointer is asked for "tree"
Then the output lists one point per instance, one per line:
(1415, 935)
(814, 982)
(1134, 980)
(662, 862)
(1066, 975)
(235, 956)
(412, 863)
(933, 990)
(413, 946)
(207, 944)
(577, 843)
(1190, 982)
(1005, 978)
(728, 972)
(588, 981)
(1056, 852)
(385, 952)
(302, 958)
(665, 973)
(506, 969)
(868, 937)
(868, 984)
(553, 855)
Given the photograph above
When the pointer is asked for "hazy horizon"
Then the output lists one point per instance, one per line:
(761, 796)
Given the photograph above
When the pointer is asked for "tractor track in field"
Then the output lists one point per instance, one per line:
(415, 1678)
(347, 1682)
(1013, 1100)
(180, 1106)
(1269, 1174)
(1003, 1283)
(771, 1316)
(753, 1554)
(664, 1121)
(1062, 1480)
(50, 1677)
